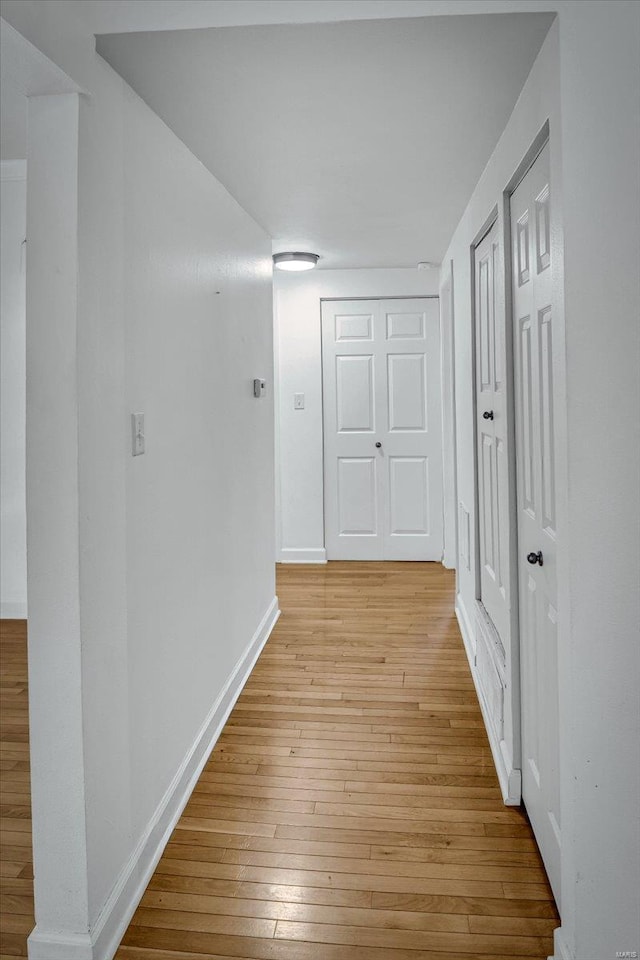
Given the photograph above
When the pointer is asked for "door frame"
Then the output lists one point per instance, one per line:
(512, 708)
(450, 551)
(404, 296)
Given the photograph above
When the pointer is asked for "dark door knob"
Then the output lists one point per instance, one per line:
(378, 444)
(488, 415)
(535, 557)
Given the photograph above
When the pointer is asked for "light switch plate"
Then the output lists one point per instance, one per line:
(298, 401)
(137, 434)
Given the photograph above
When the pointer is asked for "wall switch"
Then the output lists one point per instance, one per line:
(259, 387)
(298, 401)
(137, 434)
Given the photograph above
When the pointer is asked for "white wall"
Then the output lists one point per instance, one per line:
(13, 521)
(298, 351)
(167, 571)
(600, 658)
(586, 82)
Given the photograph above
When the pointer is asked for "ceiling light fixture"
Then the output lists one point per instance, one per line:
(295, 261)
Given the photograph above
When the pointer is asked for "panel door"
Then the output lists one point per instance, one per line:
(536, 504)
(382, 430)
(353, 367)
(411, 452)
(491, 408)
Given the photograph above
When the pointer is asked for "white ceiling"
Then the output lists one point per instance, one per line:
(123, 16)
(359, 140)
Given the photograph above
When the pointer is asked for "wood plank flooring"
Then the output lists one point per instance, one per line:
(350, 810)
(16, 868)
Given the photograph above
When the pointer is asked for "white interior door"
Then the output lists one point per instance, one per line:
(492, 433)
(532, 339)
(382, 429)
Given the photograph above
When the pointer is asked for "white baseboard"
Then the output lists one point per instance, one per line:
(13, 610)
(130, 886)
(468, 636)
(308, 555)
(51, 946)
(510, 779)
(560, 949)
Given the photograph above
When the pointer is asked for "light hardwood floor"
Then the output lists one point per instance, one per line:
(16, 868)
(350, 810)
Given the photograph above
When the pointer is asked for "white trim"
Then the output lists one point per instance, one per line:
(449, 452)
(468, 635)
(277, 419)
(13, 610)
(53, 946)
(508, 777)
(560, 949)
(13, 169)
(131, 884)
(302, 555)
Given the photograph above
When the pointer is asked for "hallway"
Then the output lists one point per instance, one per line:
(350, 810)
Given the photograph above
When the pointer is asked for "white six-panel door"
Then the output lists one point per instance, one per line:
(492, 434)
(382, 429)
(536, 505)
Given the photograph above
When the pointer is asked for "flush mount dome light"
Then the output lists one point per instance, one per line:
(295, 261)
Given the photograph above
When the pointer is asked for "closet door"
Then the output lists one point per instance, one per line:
(492, 433)
(353, 364)
(382, 429)
(537, 535)
(411, 451)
